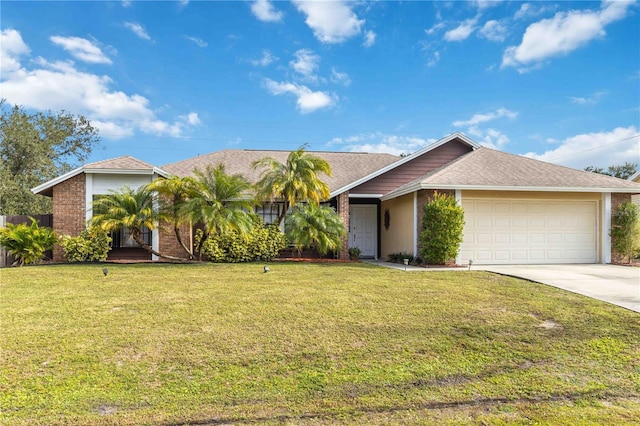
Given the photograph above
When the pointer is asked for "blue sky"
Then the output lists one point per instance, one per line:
(164, 81)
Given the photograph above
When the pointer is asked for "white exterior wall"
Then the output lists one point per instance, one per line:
(102, 184)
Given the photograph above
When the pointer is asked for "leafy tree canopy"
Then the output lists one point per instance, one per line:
(35, 148)
(622, 171)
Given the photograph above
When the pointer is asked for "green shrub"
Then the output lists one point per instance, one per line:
(400, 257)
(27, 243)
(354, 253)
(92, 245)
(262, 243)
(442, 228)
(625, 230)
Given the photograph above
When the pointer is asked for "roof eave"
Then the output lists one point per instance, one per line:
(413, 188)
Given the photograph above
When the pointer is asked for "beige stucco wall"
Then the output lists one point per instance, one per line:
(399, 237)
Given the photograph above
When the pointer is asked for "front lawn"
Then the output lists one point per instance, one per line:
(308, 344)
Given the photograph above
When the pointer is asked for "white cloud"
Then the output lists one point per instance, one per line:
(198, 41)
(486, 4)
(59, 85)
(340, 77)
(601, 149)
(126, 3)
(435, 58)
(528, 10)
(264, 11)
(331, 21)
(494, 30)
(491, 138)
(437, 27)
(138, 30)
(483, 118)
(12, 47)
(191, 118)
(432, 52)
(369, 39)
(308, 100)
(266, 59)
(306, 63)
(81, 49)
(462, 31)
(381, 143)
(184, 3)
(594, 98)
(111, 130)
(562, 34)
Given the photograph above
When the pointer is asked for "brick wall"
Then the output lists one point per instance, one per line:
(343, 212)
(69, 210)
(424, 196)
(616, 200)
(168, 243)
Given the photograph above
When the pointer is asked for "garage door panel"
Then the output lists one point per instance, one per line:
(533, 231)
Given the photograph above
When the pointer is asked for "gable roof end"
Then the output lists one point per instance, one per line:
(120, 165)
(457, 135)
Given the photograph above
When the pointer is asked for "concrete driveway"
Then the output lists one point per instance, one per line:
(619, 285)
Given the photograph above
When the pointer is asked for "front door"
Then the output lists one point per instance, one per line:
(362, 229)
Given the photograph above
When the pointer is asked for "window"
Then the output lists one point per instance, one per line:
(269, 212)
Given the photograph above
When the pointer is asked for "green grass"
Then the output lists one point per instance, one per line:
(308, 344)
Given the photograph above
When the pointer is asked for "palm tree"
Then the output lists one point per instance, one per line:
(132, 209)
(220, 202)
(312, 225)
(298, 179)
(174, 193)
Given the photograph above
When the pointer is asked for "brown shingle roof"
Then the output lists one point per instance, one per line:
(347, 167)
(489, 168)
(126, 162)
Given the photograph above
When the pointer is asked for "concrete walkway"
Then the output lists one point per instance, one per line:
(619, 285)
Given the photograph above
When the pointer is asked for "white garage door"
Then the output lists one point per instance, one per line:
(529, 231)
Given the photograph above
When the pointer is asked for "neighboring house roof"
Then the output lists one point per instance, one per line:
(347, 167)
(635, 177)
(488, 169)
(120, 165)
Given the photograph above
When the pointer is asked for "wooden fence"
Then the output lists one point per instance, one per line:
(42, 219)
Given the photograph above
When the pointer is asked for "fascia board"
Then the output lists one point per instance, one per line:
(416, 187)
(38, 189)
(365, 195)
(635, 175)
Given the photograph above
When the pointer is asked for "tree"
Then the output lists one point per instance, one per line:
(314, 226)
(133, 209)
(35, 148)
(298, 179)
(442, 227)
(27, 243)
(625, 230)
(622, 171)
(220, 202)
(174, 193)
